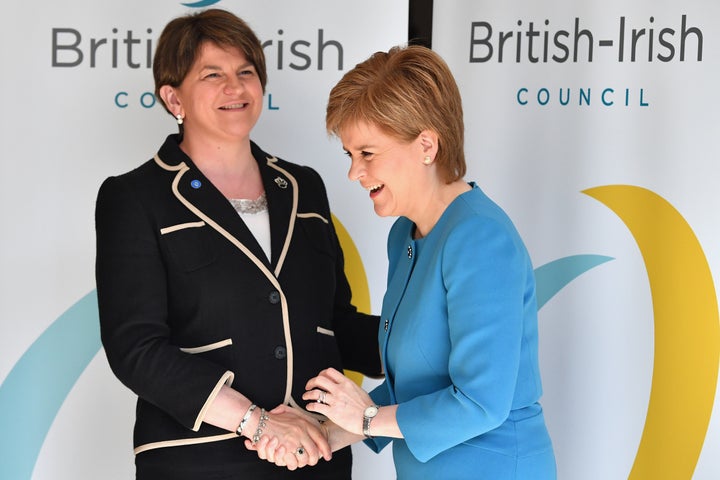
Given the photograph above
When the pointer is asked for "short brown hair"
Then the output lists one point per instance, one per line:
(180, 42)
(403, 92)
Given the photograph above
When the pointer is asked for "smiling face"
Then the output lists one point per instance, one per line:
(390, 170)
(221, 97)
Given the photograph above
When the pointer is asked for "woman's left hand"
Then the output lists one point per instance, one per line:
(338, 398)
(292, 439)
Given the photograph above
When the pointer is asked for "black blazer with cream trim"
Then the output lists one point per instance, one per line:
(188, 301)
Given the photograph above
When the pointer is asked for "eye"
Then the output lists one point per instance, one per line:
(212, 75)
(365, 155)
(247, 72)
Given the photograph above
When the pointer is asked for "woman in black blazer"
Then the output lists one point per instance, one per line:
(220, 277)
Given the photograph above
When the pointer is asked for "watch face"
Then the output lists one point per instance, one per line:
(371, 411)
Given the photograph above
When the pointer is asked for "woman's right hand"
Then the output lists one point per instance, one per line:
(337, 397)
(292, 439)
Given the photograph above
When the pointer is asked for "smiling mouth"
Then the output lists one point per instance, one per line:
(374, 189)
(235, 106)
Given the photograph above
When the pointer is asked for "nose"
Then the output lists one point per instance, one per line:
(233, 85)
(357, 169)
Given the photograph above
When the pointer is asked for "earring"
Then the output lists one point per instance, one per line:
(179, 118)
(427, 160)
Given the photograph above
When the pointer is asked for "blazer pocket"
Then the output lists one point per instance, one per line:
(207, 348)
(318, 231)
(325, 331)
(188, 245)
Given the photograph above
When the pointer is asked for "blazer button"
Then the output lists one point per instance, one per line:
(274, 297)
(280, 352)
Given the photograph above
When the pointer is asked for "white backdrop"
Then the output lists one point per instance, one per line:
(629, 337)
(629, 349)
(71, 118)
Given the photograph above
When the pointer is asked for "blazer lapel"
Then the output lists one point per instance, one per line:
(199, 195)
(281, 190)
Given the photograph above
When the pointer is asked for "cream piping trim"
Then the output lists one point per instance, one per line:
(207, 348)
(325, 331)
(226, 379)
(291, 226)
(312, 215)
(185, 441)
(182, 169)
(181, 226)
(165, 166)
(281, 259)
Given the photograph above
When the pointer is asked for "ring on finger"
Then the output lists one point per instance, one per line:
(321, 399)
(300, 450)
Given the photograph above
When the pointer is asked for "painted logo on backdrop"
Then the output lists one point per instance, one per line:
(685, 371)
(127, 49)
(631, 40)
(201, 3)
(687, 332)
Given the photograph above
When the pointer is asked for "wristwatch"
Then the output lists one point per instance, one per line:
(368, 415)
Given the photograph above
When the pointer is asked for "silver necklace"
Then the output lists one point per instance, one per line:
(243, 205)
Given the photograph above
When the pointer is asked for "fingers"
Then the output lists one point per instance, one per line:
(326, 379)
(309, 435)
(270, 449)
(338, 398)
(301, 458)
(293, 461)
(292, 439)
(334, 375)
(317, 395)
(320, 439)
(319, 446)
(265, 447)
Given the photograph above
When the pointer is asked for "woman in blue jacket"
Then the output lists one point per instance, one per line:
(458, 331)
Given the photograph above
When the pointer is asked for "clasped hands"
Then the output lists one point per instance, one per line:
(295, 439)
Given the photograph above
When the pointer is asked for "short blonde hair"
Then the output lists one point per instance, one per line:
(403, 92)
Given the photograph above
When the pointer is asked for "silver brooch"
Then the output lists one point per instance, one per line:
(281, 182)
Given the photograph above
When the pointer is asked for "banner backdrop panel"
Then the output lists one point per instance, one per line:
(78, 107)
(593, 124)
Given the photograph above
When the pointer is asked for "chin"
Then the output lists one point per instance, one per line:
(381, 213)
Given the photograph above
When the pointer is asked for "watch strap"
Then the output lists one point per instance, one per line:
(366, 422)
(366, 426)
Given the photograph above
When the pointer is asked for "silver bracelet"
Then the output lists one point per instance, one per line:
(245, 419)
(258, 433)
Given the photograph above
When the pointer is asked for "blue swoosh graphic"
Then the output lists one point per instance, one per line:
(35, 389)
(201, 3)
(552, 277)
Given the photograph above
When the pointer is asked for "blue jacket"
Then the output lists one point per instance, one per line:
(459, 340)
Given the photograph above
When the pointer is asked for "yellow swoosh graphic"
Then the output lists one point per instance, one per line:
(687, 332)
(357, 279)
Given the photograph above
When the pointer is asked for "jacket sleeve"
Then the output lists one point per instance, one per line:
(380, 396)
(131, 282)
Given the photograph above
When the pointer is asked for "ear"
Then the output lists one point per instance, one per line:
(428, 142)
(170, 98)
